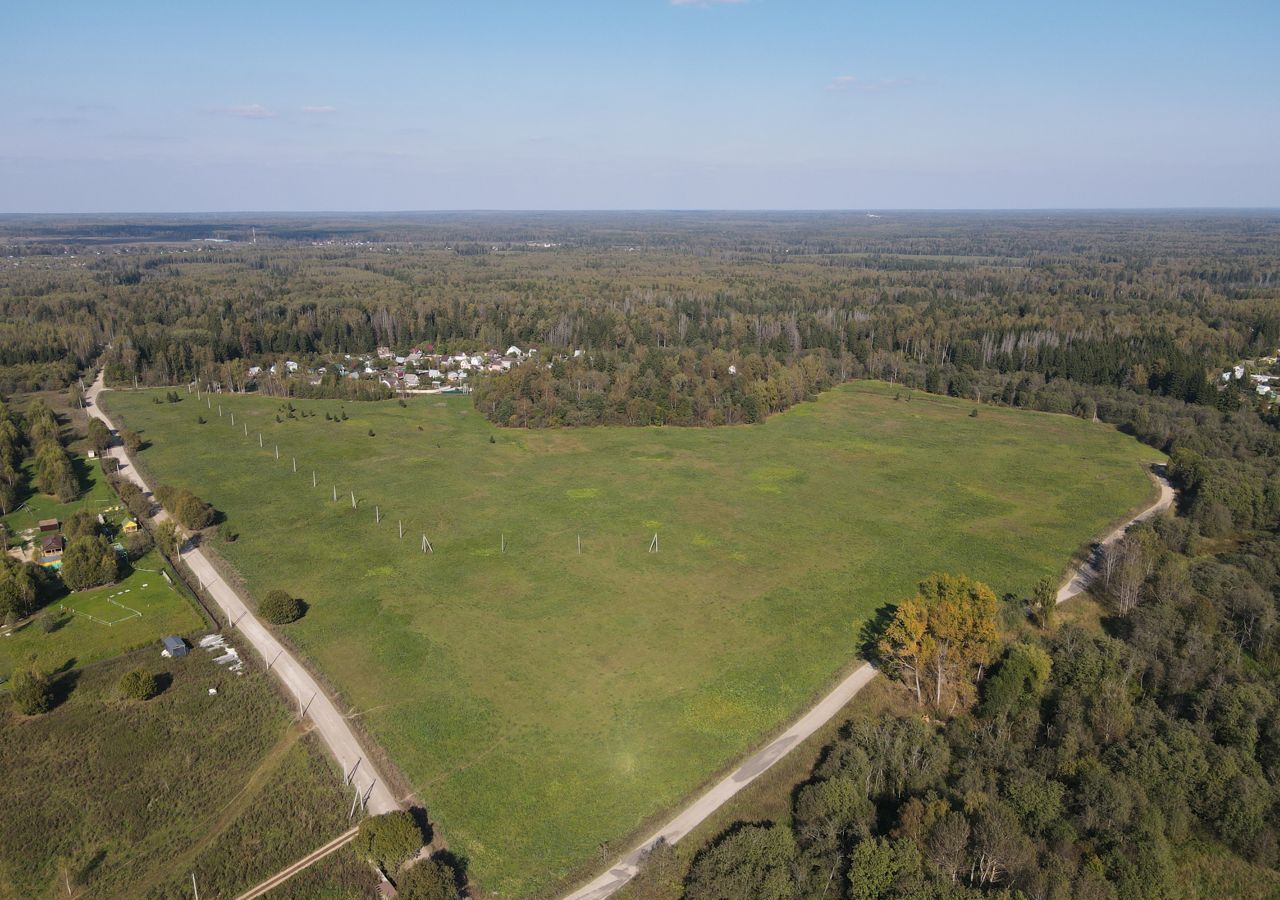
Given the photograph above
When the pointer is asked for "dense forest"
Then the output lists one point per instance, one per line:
(1051, 760)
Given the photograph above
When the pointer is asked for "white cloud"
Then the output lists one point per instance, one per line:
(249, 111)
(319, 110)
(869, 85)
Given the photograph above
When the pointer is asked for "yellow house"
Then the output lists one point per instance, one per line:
(129, 526)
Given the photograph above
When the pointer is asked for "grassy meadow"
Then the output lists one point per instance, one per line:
(106, 797)
(543, 701)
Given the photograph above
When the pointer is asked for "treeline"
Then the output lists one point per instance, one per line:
(651, 387)
(52, 467)
(1104, 300)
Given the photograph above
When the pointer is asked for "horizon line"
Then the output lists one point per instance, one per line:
(642, 209)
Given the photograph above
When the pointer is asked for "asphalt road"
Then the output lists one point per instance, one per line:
(316, 704)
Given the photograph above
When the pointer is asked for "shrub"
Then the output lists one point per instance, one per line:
(390, 839)
(139, 684)
(225, 533)
(192, 512)
(137, 545)
(280, 607)
(167, 538)
(32, 692)
(431, 879)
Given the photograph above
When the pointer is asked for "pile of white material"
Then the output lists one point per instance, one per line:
(230, 657)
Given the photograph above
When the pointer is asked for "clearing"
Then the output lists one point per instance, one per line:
(544, 702)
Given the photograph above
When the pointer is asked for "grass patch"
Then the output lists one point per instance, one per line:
(80, 637)
(544, 701)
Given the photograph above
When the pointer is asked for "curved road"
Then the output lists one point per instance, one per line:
(696, 813)
(315, 703)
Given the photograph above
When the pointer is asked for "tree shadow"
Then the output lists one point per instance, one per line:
(873, 630)
(61, 688)
(164, 681)
(419, 815)
(87, 871)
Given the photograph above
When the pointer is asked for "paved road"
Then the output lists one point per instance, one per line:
(696, 813)
(330, 723)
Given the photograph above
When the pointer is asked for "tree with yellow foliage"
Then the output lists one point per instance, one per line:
(945, 635)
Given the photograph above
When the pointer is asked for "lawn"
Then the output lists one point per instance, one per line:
(142, 607)
(544, 701)
(111, 798)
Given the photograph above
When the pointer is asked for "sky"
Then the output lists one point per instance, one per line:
(133, 106)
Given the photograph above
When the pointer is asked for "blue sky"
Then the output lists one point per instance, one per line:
(569, 104)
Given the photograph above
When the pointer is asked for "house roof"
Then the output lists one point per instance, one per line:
(52, 544)
(48, 524)
(174, 644)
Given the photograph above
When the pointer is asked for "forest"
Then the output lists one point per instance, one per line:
(1063, 761)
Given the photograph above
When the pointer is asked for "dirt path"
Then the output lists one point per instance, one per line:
(697, 812)
(310, 859)
(329, 722)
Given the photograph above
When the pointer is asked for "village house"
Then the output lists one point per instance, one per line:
(51, 546)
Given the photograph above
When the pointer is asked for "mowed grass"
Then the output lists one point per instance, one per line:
(542, 701)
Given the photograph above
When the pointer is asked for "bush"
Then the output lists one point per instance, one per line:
(431, 879)
(390, 839)
(225, 533)
(131, 440)
(137, 545)
(193, 512)
(88, 562)
(139, 684)
(280, 607)
(167, 538)
(32, 692)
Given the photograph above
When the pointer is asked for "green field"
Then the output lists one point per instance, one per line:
(543, 701)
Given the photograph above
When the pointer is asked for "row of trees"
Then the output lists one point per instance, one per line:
(54, 473)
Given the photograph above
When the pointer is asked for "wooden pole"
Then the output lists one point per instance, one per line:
(353, 499)
(259, 438)
(335, 493)
(579, 545)
(377, 515)
(313, 477)
(277, 453)
(295, 464)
